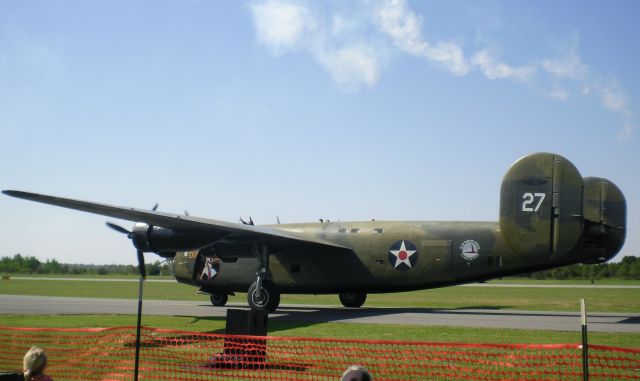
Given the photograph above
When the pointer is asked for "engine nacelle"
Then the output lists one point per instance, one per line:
(547, 208)
(166, 242)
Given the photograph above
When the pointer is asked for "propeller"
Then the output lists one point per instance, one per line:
(278, 219)
(143, 275)
(118, 228)
(122, 230)
(141, 266)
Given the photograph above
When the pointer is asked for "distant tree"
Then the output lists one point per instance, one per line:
(51, 267)
(627, 268)
(166, 270)
(153, 268)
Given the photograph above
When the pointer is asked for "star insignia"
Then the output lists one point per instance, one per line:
(402, 255)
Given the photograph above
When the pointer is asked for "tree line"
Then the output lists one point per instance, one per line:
(628, 268)
(19, 264)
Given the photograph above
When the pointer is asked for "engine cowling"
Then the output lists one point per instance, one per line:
(166, 242)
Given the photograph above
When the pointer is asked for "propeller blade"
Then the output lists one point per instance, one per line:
(141, 266)
(186, 212)
(155, 207)
(278, 219)
(118, 228)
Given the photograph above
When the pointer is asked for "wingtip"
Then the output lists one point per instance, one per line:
(16, 193)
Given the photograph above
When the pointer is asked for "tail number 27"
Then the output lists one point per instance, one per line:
(530, 199)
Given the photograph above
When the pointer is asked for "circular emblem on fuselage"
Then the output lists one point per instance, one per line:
(403, 255)
(470, 250)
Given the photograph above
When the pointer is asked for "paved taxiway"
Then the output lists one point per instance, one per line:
(510, 285)
(542, 320)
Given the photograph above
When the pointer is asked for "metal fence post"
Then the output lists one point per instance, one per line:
(585, 344)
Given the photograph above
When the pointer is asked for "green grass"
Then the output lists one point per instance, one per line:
(543, 299)
(510, 280)
(88, 276)
(332, 330)
(597, 282)
(550, 299)
(79, 288)
(521, 298)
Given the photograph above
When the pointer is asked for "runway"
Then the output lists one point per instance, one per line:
(509, 285)
(482, 318)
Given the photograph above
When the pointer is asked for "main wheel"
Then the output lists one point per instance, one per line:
(267, 300)
(354, 299)
(219, 300)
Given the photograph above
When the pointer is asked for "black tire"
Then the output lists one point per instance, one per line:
(354, 299)
(219, 300)
(268, 301)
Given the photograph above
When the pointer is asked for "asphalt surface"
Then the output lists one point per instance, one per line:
(539, 320)
(517, 285)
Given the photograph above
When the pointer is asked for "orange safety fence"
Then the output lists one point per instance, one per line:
(108, 354)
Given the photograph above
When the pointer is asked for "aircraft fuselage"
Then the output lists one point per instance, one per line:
(434, 254)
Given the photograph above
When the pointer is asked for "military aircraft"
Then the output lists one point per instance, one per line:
(550, 216)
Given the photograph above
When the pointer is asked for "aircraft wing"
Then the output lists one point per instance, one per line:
(226, 230)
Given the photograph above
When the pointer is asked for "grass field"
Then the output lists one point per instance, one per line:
(598, 282)
(514, 279)
(332, 330)
(549, 299)
(522, 298)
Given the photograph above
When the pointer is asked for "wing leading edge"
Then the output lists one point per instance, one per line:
(227, 230)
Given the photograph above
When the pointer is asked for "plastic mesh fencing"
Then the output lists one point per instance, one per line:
(108, 354)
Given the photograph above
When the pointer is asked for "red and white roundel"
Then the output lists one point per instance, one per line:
(403, 255)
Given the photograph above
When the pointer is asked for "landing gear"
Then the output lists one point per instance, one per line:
(263, 295)
(266, 299)
(219, 300)
(355, 299)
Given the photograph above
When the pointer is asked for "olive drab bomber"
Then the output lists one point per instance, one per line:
(550, 216)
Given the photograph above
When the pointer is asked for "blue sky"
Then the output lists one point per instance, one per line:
(354, 110)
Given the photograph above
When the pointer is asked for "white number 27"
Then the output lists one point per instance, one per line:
(529, 199)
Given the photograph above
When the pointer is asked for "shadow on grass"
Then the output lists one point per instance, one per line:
(300, 316)
(287, 318)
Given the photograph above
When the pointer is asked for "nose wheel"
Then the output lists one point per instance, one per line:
(263, 295)
(265, 299)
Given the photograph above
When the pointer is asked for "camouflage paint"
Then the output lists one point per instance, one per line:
(545, 222)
